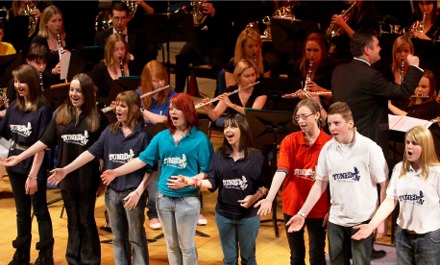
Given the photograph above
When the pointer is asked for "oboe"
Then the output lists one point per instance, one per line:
(121, 65)
(309, 74)
(402, 68)
(60, 47)
(230, 93)
(112, 107)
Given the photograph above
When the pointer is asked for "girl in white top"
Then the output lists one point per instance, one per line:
(415, 184)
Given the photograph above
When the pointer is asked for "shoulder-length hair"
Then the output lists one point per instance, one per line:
(423, 137)
(157, 70)
(109, 48)
(67, 113)
(398, 43)
(432, 95)
(184, 103)
(240, 67)
(26, 73)
(131, 98)
(47, 15)
(313, 106)
(239, 54)
(245, 142)
(320, 40)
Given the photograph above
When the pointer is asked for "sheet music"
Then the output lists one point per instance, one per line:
(65, 61)
(4, 148)
(404, 123)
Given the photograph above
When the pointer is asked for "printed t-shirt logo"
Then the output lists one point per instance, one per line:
(121, 158)
(417, 199)
(347, 176)
(79, 139)
(22, 130)
(175, 162)
(305, 173)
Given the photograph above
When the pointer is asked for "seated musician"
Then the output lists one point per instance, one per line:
(253, 97)
(427, 12)
(423, 104)
(115, 64)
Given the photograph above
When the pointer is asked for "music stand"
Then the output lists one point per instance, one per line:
(7, 64)
(276, 88)
(269, 128)
(56, 95)
(83, 60)
(167, 27)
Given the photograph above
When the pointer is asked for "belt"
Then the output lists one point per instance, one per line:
(18, 147)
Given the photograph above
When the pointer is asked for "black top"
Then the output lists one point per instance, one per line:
(258, 91)
(426, 111)
(322, 77)
(236, 180)
(73, 139)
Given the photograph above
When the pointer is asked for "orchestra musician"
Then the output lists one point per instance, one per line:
(426, 12)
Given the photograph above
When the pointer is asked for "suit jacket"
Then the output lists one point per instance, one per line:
(367, 91)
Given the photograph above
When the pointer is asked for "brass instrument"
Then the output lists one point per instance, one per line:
(33, 21)
(418, 25)
(112, 107)
(267, 34)
(230, 93)
(121, 65)
(309, 74)
(303, 94)
(60, 47)
(197, 12)
(402, 69)
(103, 20)
(131, 4)
(4, 98)
(334, 30)
(285, 11)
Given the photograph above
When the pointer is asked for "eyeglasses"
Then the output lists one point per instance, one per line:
(302, 116)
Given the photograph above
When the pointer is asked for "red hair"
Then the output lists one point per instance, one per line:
(184, 103)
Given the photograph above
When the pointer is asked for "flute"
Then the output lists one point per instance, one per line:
(435, 120)
(112, 107)
(230, 93)
(301, 94)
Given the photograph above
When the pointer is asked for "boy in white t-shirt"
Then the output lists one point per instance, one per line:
(352, 166)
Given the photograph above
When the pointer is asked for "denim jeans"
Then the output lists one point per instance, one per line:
(238, 235)
(297, 247)
(83, 246)
(23, 205)
(152, 193)
(178, 217)
(127, 228)
(418, 249)
(340, 244)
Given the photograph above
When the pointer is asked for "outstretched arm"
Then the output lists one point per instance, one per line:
(110, 174)
(266, 204)
(14, 160)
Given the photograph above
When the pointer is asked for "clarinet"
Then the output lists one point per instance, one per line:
(60, 47)
(309, 74)
(41, 81)
(402, 68)
(121, 65)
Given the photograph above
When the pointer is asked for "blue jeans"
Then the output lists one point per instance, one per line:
(340, 244)
(238, 234)
(297, 247)
(23, 205)
(152, 193)
(178, 217)
(83, 246)
(418, 249)
(127, 228)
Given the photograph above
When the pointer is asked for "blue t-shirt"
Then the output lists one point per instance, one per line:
(190, 157)
(162, 109)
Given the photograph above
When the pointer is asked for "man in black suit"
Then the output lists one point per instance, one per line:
(367, 91)
(141, 51)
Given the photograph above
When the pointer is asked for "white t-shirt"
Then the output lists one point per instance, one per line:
(419, 199)
(353, 172)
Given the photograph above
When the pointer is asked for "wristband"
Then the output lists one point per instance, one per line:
(29, 176)
(302, 214)
(137, 193)
(196, 183)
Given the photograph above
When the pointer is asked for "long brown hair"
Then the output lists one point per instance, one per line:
(245, 143)
(131, 98)
(432, 88)
(66, 113)
(155, 69)
(109, 48)
(320, 40)
(27, 74)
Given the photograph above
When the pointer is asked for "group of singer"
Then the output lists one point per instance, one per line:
(333, 172)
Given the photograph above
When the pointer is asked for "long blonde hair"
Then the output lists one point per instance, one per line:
(47, 14)
(109, 48)
(239, 54)
(155, 69)
(399, 42)
(423, 137)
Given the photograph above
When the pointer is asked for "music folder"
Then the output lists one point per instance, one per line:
(404, 123)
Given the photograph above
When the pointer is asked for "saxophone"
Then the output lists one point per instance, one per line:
(309, 74)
